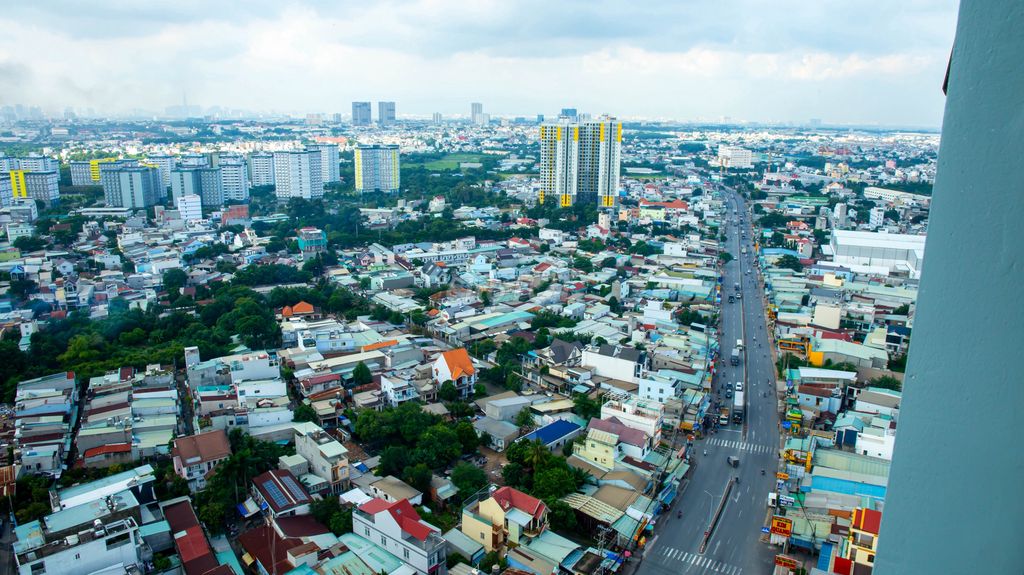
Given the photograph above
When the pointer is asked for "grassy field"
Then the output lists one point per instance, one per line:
(451, 161)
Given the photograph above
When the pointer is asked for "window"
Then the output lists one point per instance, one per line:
(383, 540)
(406, 553)
(38, 568)
(366, 531)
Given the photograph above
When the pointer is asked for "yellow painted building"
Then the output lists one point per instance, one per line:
(507, 516)
(599, 449)
(862, 543)
(580, 161)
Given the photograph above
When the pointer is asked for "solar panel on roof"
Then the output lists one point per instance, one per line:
(275, 493)
(297, 492)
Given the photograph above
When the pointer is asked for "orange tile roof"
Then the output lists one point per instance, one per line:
(302, 307)
(379, 345)
(459, 362)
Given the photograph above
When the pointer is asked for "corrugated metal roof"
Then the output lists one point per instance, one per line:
(592, 507)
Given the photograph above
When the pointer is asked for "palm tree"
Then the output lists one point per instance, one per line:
(580, 476)
(537, 455)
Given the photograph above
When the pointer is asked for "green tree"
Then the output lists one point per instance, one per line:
(361, 374)
(448, 392)
(437, 447)
(175, 279)
(790, 262)
(394, 459)
(524, 418)
(550, 484)
(585, 407)
(468, 478)
(887, 382)
(418, 476)
(726, 257)
(305, 412)
(561, 516)
(468, 438)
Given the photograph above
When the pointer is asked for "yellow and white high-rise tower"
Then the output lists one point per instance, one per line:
(580, 161)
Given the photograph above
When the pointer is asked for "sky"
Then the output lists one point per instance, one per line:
(862, 62)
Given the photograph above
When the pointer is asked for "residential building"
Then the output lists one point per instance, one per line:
(298, 174)
(87, 172)
(312, 241)
(41, 186)
(876, 218)
(164, 164)
(860, 545)
(329, 162)
(234, 180)
(385, 113)
(503, 516)
(580, 162)
(646, 416)
(135, 187)
(282, 493)
(45, 415)
(327, 458)
(195, 456)
(457, 367)
(398, 529)
(190, 207)
(735, 157)
(94, 528)
(261, 169)
(203, 182)
(361, 113)
(616, 361)
(377, 168)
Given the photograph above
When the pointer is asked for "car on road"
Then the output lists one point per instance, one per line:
(728, 392)
(733, 461)
(739, 386)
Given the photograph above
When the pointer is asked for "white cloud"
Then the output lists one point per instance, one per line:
(759, 61)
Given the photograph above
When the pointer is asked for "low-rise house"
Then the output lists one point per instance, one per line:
(196, 456)
(398, 529)
(280, 493)
(504, 516)
(457, 367)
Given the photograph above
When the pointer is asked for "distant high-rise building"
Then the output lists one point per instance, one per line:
(385, 113)
(126, 184)
(329, 160)
(569, 113)
(37, 163)
(540, 118)
(376, 169)
(31, 185)
(437, 118)
(476, 112)
(165, 163)
(194, 161)
(87, 172)
(839, 216)
(735, 157)
(580, 161)
(261, 169)
(190, 207)
(234, 179)
(335, 118)
(361, 114)
(298, 174)
(203, 182)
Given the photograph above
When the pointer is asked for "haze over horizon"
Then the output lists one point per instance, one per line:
(866, 63)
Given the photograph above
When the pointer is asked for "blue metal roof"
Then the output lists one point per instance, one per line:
(553, 431)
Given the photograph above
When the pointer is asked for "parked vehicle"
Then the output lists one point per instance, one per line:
(733, 461)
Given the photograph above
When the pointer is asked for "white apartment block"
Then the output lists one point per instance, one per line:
(735, 157)
(298, 174)
(261, 169)
(329, 160)
(190, 207)
(234, 180)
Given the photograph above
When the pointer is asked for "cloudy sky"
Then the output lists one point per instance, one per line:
(863, 61)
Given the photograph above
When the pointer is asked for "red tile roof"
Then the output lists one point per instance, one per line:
(110, 448)
(508, 497)
(403, 514)
(267, 547)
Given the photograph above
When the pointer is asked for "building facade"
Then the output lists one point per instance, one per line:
(385, 113)
(361, 114)
(580, 162)
(234, 180)
(261, 169)
(41, 186)
(203, 182)
(398, 529)
(329, 170)
(298, 174)
(377, 169)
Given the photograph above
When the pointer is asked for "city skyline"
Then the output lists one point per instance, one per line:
(868, 64)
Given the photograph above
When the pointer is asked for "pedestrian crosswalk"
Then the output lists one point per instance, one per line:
(741, 445)
(703, 562)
